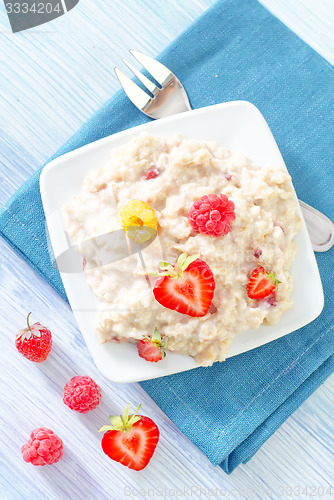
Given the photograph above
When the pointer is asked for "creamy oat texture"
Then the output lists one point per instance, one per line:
(266, 220)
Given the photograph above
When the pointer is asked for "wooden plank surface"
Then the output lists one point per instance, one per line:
(52, 79)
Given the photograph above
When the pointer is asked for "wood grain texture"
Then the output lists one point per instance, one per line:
(52, 79)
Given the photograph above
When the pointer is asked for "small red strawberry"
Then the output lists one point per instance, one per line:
(34, 342)
(152, 348)
(261, 284)
(188, 287)
(131, 439)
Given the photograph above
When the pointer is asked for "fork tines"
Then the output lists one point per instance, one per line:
(159, 72)
(168, 97)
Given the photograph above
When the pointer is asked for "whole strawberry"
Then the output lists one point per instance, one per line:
(152, 347)
(82, 394)
(34, 342)
(131, 439)
(43, 448)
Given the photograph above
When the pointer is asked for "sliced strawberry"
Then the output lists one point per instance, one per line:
(188, 287)
(152, 348)
(261, 284)
(131, 439)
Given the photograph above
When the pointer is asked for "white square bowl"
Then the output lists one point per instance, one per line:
(239, 126)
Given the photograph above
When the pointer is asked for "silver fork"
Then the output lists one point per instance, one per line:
(170, 98)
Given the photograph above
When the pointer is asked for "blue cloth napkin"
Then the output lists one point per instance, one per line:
(235, 50)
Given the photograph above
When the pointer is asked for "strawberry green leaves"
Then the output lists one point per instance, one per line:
(122, 423)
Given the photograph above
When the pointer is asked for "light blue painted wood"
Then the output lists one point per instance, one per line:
(52, 79)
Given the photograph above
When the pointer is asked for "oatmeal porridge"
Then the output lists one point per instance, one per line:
(182, 199)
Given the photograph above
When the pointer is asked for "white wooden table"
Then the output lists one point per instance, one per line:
(52, 79)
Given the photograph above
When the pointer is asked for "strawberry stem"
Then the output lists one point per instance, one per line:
(273, 278)
(159, 341)
(28, 322)
(123, 422)
(134, 418)
(181, 265)
(184, 261)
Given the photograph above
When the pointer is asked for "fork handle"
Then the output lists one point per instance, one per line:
(320, 228)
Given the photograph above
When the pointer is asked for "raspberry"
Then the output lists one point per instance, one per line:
(82, 394)
(152, 173)
(257, 252)
(212, 215)
(139, 220)
(44, 447)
